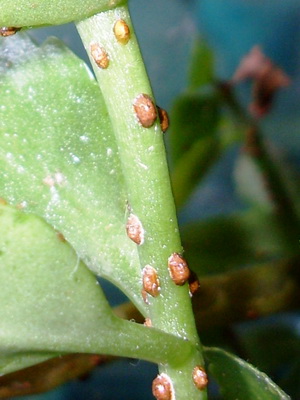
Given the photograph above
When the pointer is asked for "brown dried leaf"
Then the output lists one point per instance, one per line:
(48, 375)
(267, 80)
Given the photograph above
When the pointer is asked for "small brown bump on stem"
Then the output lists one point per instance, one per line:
(145, 110)
(178, 269)
(163, 118)
(135, 230)
(8, 31)
(3, 202)
(144, 296)
(193, 283)
(151, 281)
(200, 378)
(99, 55)
(148, 322)
(162, 388)
(60, 237)
(122, 31)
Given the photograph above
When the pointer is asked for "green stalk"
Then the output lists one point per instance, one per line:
(122, 78)
(265, 289)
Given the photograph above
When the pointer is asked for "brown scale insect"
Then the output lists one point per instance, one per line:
(60, 237)
(151, 281)
(178, 269)
(162, 388)
(8, 31)
(99, 55)
(134, 229)
(122, 31)
(145, 110)
(148, 322)
(200, 378)
(144, 296)
(163, 118)
(194, 284)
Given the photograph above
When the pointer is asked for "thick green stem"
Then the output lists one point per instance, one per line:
(241, 295)
(123, 81)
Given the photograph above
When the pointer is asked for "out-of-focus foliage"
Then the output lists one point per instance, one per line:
(258, 238)
(239, 380)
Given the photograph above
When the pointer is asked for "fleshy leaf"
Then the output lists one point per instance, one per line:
(52, 304)
(194, 116)
(192, 167)
(45, 291)
(201, 71)
(279, 333)
(59, 158)
(261, 179)
(44, 12)
(250, 183)
(239, 380)
(227, 242)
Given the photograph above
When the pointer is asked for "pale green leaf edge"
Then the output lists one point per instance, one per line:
(51, 303)
(59, 157)
(235, 375)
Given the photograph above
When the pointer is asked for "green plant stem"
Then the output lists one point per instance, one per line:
(241, 295)
(144, 166)
(28, 13)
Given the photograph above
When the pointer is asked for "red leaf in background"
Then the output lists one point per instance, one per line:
(267, 80)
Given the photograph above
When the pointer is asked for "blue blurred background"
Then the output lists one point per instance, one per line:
(166, 31)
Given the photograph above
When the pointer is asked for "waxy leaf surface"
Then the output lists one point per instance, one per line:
(239, 380)
(52, 304)
(44, 12)
(59, 158)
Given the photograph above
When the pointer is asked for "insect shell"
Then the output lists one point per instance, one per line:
(162, 388)
(200, 377)
(99, 55)
(178, 269)
(8, 31)
(151, 281)
(134, 229)
(163, 119)
(122, 31)
(145, 110)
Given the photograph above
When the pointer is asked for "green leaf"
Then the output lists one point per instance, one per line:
(239, 380)
(226, 242)
(290, 382)
(194, 116)
(52, 304)
(10, 362)
(269, 335)
(193, 166)
(45, 292)
(250, 184)
(20, 13)
(201, 71)
(59, 158)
